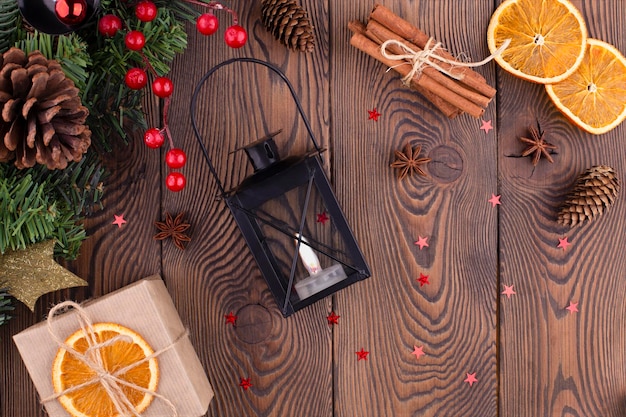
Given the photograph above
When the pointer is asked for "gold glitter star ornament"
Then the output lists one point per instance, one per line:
(32, 272)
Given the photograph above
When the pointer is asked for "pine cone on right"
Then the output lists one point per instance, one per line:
(595, 190)
(289, 23)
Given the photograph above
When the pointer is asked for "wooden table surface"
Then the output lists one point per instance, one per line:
(531, 357)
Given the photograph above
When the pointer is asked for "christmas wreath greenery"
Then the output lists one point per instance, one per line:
(47, 195)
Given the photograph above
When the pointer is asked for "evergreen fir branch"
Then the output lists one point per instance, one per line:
(112, 107)
(69, 51)
(165, 38)
(36, 41)
(26, 211)
(5, 306)
(181, 10)
(37, 204)
(10, 19)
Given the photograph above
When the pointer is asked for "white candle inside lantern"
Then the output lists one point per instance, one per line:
(319, 278)
(309, 258)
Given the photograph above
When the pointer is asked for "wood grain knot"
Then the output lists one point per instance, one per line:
(254, 323)
(446, 165)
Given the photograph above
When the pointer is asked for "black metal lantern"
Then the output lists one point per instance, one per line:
(57, 17)
(290, 217)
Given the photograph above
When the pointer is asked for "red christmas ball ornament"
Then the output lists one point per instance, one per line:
(175, 158)
(134, 40)
(146, 11)
(153, 138)
(207, 24)
(175, 181)
(235, 36)
(136, 78)
(71, 12)
(162, 87)
(109, 25)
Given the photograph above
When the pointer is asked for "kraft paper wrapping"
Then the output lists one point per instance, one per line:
(146, 307)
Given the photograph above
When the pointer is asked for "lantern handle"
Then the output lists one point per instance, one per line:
(194, 99)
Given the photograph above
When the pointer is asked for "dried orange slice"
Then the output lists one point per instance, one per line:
(594, 96)
(92, 400)
(547, 38)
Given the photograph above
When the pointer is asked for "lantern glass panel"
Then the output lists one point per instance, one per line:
(321, 259)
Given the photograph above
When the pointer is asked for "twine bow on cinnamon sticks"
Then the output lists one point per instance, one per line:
(452, 86)
(110, 381)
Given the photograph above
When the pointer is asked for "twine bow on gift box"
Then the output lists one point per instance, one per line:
(429, 57)
(92, 358)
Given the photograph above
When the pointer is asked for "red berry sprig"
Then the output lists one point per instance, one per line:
(109, 25)
(135, 40)
(136, 78)
(146, 11)
(207, 23)
(235, 36)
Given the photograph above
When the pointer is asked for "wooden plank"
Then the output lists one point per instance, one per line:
(553, 362)
(288, 361)
(454, 317)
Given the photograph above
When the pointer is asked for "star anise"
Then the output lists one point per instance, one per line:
(174, 228)
(409, 161)
(537, 145)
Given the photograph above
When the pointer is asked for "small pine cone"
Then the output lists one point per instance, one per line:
(594, 191)
(43, 119)
(289, 23)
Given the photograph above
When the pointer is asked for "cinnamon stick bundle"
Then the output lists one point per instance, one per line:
(470, 93)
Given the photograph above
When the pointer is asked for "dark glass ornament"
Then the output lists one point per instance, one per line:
(57, 17)
(71, 12)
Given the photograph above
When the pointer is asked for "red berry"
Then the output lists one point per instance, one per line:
(175, 181)
(162, 87)
(207, 24)
(134, 40)
(175, 158)
(136, 78)
(235, 36)
(146, 11)
(109, 25)
(153, 138)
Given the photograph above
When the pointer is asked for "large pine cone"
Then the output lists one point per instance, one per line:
(289, 23)
(594, 191)
(43, 119)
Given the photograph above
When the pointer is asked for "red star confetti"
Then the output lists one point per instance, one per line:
(362, 354)
(418, 351)
(119, 220)
(322, 217)
(245, 383)
(495, 200)
(486, 126)
(421, 242)
(471, 378)
(563, 243)
(572, 307)
(373, 115)
(423, 280)
(230, 318)
(332, 318)
(509, 291)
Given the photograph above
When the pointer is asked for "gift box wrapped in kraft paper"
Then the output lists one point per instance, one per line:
(124, 354)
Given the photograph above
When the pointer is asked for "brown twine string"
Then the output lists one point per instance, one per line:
(111, 382)
(428, 57)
